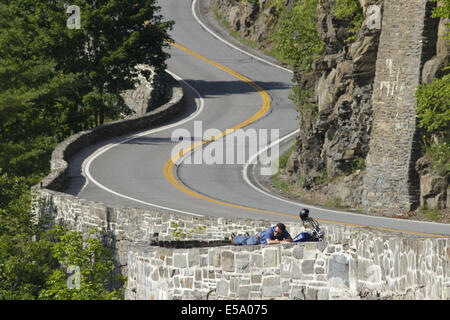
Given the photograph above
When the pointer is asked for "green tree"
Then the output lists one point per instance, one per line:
(55, 81)
(25, 249)
(32, 257)
(34, 96)
(116, 36)
(93, 262)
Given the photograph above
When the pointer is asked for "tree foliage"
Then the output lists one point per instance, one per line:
(349, 10)
(93, 262)
(433, 105)
(442, 10)
(297, 40)
(54, 82)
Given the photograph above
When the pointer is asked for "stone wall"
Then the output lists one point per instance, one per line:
(391, 181)
(355, 265)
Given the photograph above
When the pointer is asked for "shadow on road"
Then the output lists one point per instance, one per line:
(222, 88)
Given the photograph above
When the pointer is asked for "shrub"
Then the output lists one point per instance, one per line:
(297, 41)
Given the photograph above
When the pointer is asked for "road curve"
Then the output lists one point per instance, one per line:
(225, 89)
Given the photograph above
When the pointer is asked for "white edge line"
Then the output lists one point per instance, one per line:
(87, 163)
(247, 180)
(232, 45)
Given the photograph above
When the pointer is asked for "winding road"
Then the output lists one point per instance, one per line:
(226, 89)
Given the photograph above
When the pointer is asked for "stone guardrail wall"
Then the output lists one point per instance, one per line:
(355, 265)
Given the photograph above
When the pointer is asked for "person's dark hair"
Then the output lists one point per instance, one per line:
(281, 226)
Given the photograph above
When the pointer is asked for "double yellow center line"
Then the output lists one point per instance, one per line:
(168, 168)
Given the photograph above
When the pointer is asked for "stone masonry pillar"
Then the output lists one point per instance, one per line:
(390, 183)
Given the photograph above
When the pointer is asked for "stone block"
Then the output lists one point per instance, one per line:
(290, 268)
(198, 275)
(228, 261)
(256, 261)
(286, 286)
(242, 261)
(222, 288)
(193, 257)
(310, 251)
(308, 266)
(298, 252)
(214, 258)
(311, 293)
(188, 282)
(180, 260)
(271, 287)
(255, 278)
(339, 268)
(270, 258)
(244, 292)
(323, 294)
(297, 293)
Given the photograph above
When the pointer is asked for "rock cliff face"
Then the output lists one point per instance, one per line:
(333, 141)
(336, 130)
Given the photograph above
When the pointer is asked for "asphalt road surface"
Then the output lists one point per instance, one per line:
(226, 90)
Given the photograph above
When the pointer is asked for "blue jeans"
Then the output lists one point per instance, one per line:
(245, 240)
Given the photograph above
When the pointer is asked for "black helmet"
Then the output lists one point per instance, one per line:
(304, 214)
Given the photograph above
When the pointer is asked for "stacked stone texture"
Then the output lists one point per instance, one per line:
(359, 266)
(391, 182)
(357, 263)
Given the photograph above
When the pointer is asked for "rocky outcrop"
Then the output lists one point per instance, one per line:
(149, 93)
(336, 139)
(433, 185)
(251, 20)
(337, 126)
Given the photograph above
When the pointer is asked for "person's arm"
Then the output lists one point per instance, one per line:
(269, 241)
(287, 240)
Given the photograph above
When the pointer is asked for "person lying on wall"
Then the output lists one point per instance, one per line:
(275, 234)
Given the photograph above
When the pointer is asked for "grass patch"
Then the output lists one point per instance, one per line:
(335, 203)
(285, 157)
(279, 184)
(431, 214)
